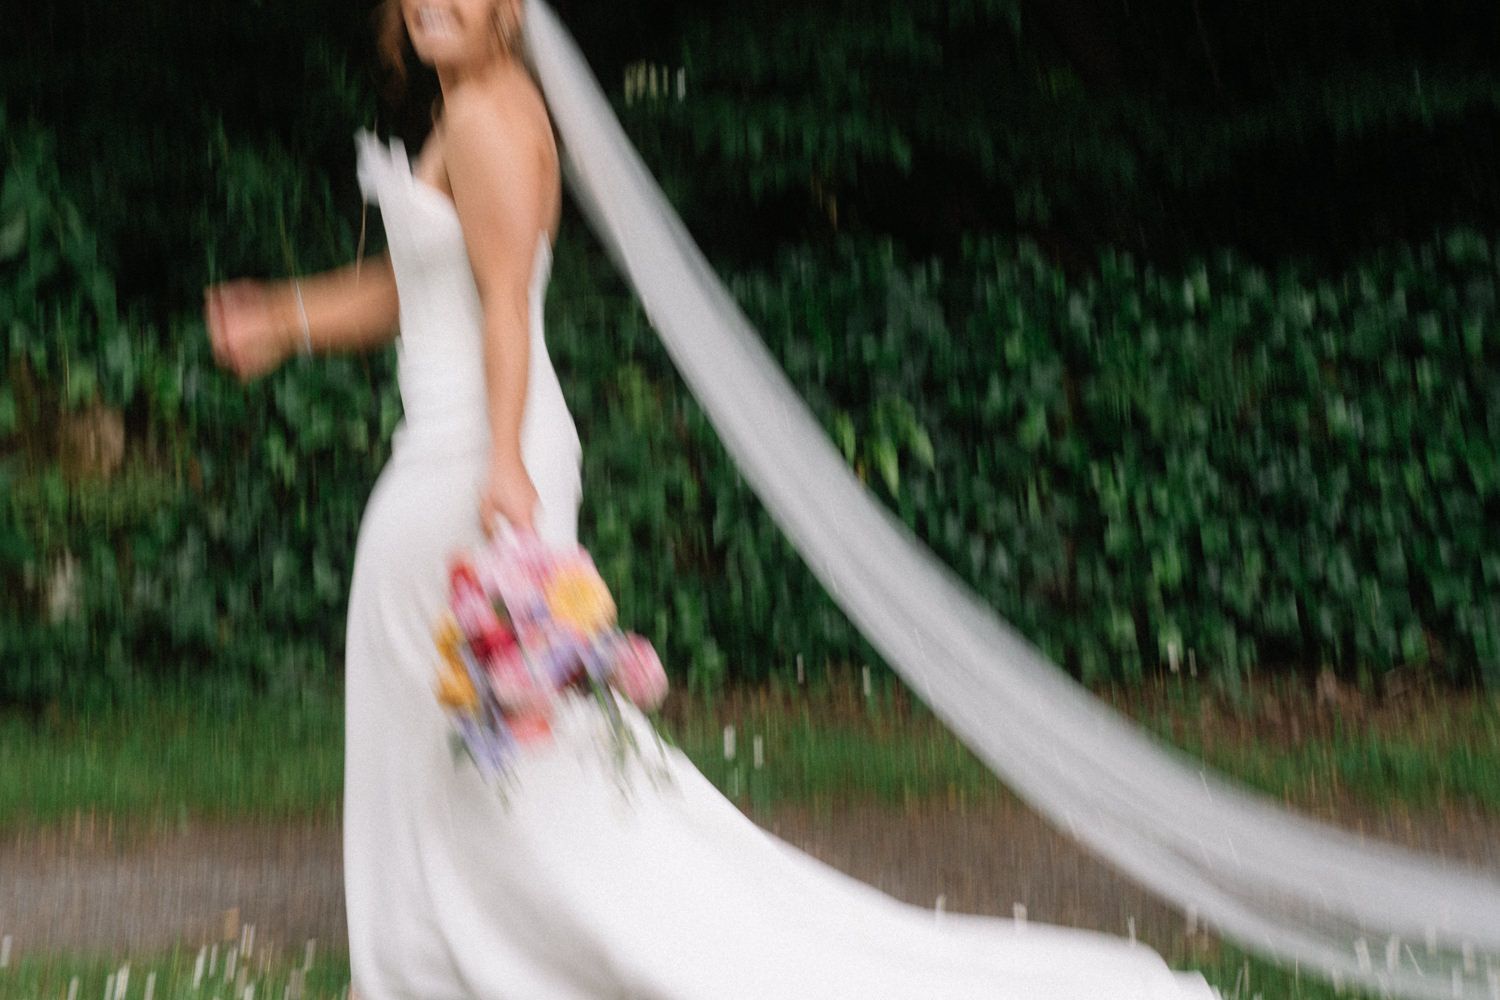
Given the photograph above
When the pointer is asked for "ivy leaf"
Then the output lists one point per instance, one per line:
(843, 433)
(13, 236)
(921, 446)
(1033, 429)
(888, 464)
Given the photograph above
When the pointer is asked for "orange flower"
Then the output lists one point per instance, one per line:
(576, 596)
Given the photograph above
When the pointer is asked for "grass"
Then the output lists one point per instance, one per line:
(271, 975)
(833, 742)
(1425, 752)
(172, 757)
(169, 758)
(178, 974)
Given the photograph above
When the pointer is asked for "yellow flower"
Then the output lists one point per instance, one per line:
(579, 598)
(455, 666)
(455, 690)
(448, 636)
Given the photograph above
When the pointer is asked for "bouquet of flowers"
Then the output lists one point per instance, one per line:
(526, 623)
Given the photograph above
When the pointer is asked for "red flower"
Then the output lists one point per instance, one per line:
(496, 640)
(461, 577)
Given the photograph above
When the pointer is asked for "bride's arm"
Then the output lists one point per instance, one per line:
(498, 189)
(256, 325)
(498, 185)
(345, 311)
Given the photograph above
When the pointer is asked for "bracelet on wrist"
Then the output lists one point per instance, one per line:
(302, 313)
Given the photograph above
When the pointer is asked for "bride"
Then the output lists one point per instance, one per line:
(567, 890)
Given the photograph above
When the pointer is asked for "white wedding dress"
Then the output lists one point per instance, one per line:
(572, 891)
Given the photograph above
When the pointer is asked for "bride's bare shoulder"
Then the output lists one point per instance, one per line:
(511, 117)
(513, 106)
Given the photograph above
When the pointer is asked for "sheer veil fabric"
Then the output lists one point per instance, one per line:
(1357, 910)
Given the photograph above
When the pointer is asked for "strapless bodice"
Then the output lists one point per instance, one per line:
(440, 355)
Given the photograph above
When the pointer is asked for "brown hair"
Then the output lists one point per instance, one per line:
(394, 45)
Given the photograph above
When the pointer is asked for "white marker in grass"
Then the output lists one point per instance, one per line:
(150, 985)
(213, 958)
(198, 967)
(307, 956)
(801, 675)
(759, 751)
(4, 951)
(865, 672)
(229, 963)
(734, 775)
(73, 988)
(109, 987)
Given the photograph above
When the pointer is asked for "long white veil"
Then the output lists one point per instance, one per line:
(1276, 882)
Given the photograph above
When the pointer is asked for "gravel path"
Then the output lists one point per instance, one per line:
(94, 888)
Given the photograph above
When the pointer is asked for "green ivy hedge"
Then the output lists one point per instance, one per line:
(1218, 471)
(1208, 471)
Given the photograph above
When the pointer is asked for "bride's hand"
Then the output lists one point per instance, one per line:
(248, 334)
(509, 493)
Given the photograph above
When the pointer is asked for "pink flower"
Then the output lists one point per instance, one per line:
(639, 674)
(532, 727)
(512, 683)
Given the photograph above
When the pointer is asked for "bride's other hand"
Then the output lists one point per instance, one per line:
(509, 493)
(248, 334)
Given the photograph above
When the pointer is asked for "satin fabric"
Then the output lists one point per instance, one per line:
(577, 886)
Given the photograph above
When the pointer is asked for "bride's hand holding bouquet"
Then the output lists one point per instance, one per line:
(508, 492)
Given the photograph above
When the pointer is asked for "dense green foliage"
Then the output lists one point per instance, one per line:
(1225, 466)
(1213, 465)
(218, 541)
(1210, 469)
(1164, 129)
